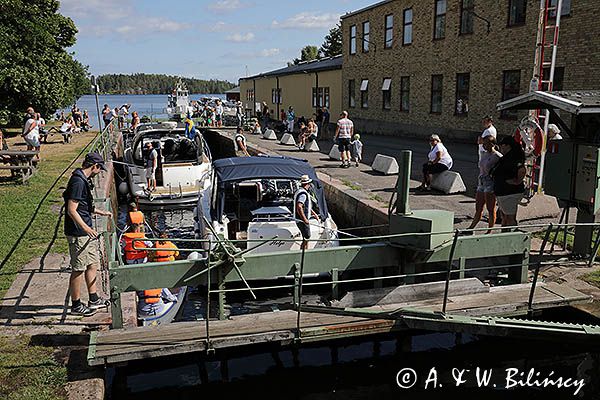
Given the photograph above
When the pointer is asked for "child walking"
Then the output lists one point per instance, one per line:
(356, 148)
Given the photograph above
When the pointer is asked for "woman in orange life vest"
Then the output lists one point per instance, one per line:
(166, 250)
(135, 217)
(135, 252)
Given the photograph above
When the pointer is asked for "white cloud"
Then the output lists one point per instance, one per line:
(241, 38)
(98, 9)
(270, 52)
(308, 20)
(152, 25)
(217, 27)
(225, 6)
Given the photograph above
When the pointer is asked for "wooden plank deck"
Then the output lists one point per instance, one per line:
(122, 345)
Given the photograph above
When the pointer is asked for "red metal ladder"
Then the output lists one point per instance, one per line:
(545, 60)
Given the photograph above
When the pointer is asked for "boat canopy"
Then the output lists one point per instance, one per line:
(239, 169)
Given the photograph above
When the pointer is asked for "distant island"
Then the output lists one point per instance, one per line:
(157, 84)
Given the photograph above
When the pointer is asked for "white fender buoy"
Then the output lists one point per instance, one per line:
(123, 189)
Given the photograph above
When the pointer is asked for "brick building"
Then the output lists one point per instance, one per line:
(414, 67)
(305, 87)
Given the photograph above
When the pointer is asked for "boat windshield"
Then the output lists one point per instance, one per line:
(173, 147)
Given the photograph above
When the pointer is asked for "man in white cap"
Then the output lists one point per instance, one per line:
(304, 209)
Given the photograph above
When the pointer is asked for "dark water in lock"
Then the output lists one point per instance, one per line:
(363, 369)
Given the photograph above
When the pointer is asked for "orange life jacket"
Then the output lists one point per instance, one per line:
(130, 252)
(168, 252)
(152, 296)
(136, 217)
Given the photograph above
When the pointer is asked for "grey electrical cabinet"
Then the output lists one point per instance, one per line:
(572, 172)
(586, 176)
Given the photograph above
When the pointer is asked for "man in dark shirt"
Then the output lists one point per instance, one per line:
(83, 248)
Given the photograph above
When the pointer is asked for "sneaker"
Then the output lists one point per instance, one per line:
(343, 165)
(82, 310)
(100, 303)
(356, 164)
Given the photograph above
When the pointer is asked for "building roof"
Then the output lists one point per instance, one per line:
(372, 6)
(324, 64)
(234, 90)
(574, 102)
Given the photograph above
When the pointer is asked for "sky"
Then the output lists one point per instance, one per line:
(220, 39)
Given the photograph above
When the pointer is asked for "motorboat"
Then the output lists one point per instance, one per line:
(184, 171)
(178, 102)
(163, 312)
(252, 201)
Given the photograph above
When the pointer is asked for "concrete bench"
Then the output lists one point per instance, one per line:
(270, 135)
(334, 153)
(448, 182)
(385, 164)
(288, 140)
(311, 146)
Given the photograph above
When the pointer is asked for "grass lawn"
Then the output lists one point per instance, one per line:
(29, 372)
(592, 278)
(18, 203)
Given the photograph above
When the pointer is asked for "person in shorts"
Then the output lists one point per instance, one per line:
(508, 175)
(31, 131)
(343, 134)
(485, 196)
(81, 236)
(151, 165)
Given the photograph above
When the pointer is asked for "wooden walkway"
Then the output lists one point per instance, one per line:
(118, 346)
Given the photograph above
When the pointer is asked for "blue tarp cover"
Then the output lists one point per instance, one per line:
(238, 169)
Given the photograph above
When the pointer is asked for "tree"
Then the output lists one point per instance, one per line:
(332, 46)
(35, 68)
(308, 53)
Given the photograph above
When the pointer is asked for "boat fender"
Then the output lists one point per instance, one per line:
(194, 256)
(123, 189)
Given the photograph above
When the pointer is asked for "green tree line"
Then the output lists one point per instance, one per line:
(157, 84)
(35, 67)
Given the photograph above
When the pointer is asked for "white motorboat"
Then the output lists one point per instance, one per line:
(253, 201)
(178, 102)
(184, 171)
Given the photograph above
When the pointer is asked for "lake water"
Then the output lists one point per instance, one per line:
(152, 105)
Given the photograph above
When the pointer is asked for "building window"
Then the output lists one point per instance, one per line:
(364, 93)
(462, 94)
(389, 31)
(405, 93)
(386, 91)
(320, 97)
(437, 83)
(566, 8)
(353, 39)
(250, 95)
(366, 36)
(407, 28)
(511, 85)
(559, 78)
(276, 96)
(351, 93)
(516, 12)
(439, 25)
(467, 8)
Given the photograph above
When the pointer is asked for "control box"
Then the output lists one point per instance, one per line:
(572, 173)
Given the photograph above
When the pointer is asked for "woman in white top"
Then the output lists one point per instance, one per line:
(439, 160)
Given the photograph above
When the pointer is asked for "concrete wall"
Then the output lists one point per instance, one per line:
(485, 56)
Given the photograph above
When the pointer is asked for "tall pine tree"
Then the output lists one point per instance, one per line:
(332, 46)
